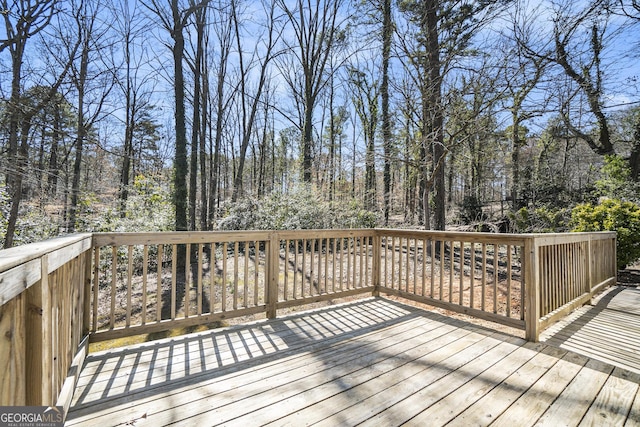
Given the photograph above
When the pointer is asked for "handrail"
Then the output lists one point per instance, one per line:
(55, 295)
(478, 274)
(43, 286)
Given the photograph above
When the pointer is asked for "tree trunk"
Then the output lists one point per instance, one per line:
(384, 93)
(181, 167)
(21, 170)
(80, 135)
(437, 120)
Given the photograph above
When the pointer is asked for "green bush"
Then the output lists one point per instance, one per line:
(148, 208)
(540, 220)
(615, 181)
(612, 215)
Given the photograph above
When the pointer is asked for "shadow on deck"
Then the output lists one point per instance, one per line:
(608, 331)
(374, 361)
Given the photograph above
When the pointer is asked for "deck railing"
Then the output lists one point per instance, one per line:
(57, 295)
(44, 319)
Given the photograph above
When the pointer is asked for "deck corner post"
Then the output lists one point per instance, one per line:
(375, 265)
(272, 275)
(532, 290)
(48, 323)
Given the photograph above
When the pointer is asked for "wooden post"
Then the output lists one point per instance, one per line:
(590, 280)
(14, 373)
(532, 290)
(273, 248)
(46, 350)
(376, 263)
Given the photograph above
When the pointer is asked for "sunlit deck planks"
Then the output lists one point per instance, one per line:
(608, 331)
(374, 362)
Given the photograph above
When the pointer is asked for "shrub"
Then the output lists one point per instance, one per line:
(612, 215)
(541, 220)
(615, 181)
(298, 210)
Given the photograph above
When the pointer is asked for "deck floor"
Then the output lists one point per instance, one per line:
(372, 362)
(608, 331)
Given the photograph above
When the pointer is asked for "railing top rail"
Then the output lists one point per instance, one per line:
(544, 239)
(21, 266)
(176, 237)
(467, 236)
(345, 232)
(184, 237)
(12, 257)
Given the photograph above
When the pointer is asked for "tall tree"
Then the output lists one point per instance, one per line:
(316, 29)
(587, 74)
(197, 68)
(387, 33)
(522, 73)
(92, 88)
(26, 20)
(443, 30)
(135, 85)
(174, 18)
(220, 103)
(365, 99)
(250, 103)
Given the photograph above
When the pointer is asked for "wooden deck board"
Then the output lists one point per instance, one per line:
(608, 331)
(371, 362)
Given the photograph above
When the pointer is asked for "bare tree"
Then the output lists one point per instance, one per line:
(174, 18)
(92, 86)
(441, 33)
(317, 29)
(365, 99)
(26, 20)
(135, 85)
(250, 102)
(220, 105)
(522, 73)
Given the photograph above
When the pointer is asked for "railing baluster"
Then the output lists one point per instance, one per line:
(326, 265)
(187, 283)
(223, 259)
(256, 275)
(129, 279)
(432, 246)
(236, 289)
(509, 282)
(472, 273)
(213, 247)
(199, 295)
(333, 265)
(452, 256)
(285, 286)
(295, 268)
(174, 278)
(484, 276)
(303, 276)
(145, 266)
(96, 287)
(245, 298)
(114, 278)
(159, 285)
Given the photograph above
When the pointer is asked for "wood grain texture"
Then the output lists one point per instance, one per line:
(370, 362)
(608, 331)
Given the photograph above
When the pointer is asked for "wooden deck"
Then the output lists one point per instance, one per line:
(372, 362)
(608, 331)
